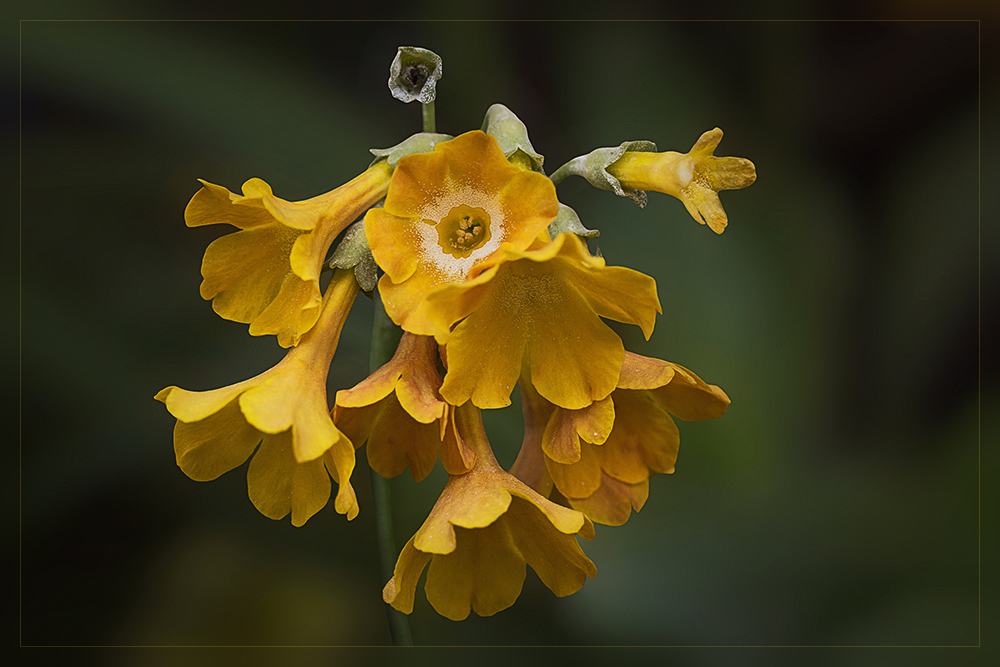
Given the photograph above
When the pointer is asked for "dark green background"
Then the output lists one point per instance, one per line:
(836, 503)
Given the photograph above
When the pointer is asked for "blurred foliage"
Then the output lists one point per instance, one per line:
(836, 503)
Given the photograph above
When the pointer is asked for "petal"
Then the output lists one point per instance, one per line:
(613, 502)
(457, 457)
(397, 442)
(574, 356)
(472, 500)
(688, 397)
(400, 590)
(620, 294)
(554, 556)
(292, 312)
(194, 406)
(412, 373)
(644, 441)
(208, 448)
(242, 271)
(417, 180)
(580, 479)
(707, 143)
(214, 204)
(639, 372)
(485, 573)
(278, 484)
(391, 241)
(339, 461)
(561, 439)
(704, 206)
(485, 352)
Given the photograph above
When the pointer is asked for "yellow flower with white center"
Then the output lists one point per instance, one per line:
(447, 211)
(695, 177)
(542, 307)
(483, 530)
(285, 409)
(267, 274)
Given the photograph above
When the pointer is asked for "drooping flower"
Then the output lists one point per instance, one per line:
(285, 409)
(267, 274)
(483, 530)
(695, 177)
(447, 211)
(601, 457)
(542, 307)
(398, 410)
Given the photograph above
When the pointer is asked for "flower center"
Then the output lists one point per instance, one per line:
(464, 229)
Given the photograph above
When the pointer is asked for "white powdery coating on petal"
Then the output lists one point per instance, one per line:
(456, 269)
(685, 172)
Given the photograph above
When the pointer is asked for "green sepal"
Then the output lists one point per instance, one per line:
(594, 167)
(512, 135)
(353, 252)
(422, 142)
(568, 221)
(414, 74)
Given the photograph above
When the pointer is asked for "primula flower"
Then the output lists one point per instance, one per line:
(540, 307)
(286, 410)
(447, 211)
(695, 177)
(267, 274)
(600, 458)
(398, 410)
(482, 531)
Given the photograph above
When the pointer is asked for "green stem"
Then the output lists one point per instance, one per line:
(385, 338)
(562, 172)
(429, 122)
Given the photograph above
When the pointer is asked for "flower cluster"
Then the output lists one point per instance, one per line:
(492, 283)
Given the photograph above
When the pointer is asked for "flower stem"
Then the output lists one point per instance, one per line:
(385, 338)
(429, 121)
(562, 172)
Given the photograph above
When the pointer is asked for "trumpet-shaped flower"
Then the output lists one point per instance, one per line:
(695, 177)
(267, 274)
(480, 534)
(541, 307)
(285, 409)
(397, 409)
(447, 211)
(601, 457)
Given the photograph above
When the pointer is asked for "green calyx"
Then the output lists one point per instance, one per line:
(568, 221)
(353, 253)
(512, 135)
(422, 142)
(594, 167)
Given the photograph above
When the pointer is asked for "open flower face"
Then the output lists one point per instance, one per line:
(541, 307)
(695, 177)
(446, 212)
(601, 457)
(480, 534)
(286, 407)
(267, 274)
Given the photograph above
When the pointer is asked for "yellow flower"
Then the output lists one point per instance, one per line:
(447, 211)
(267, 274)
(695, 177)
(286, 408)
(480, 534)
(601, 457)
(541, 307)
(397, 409)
